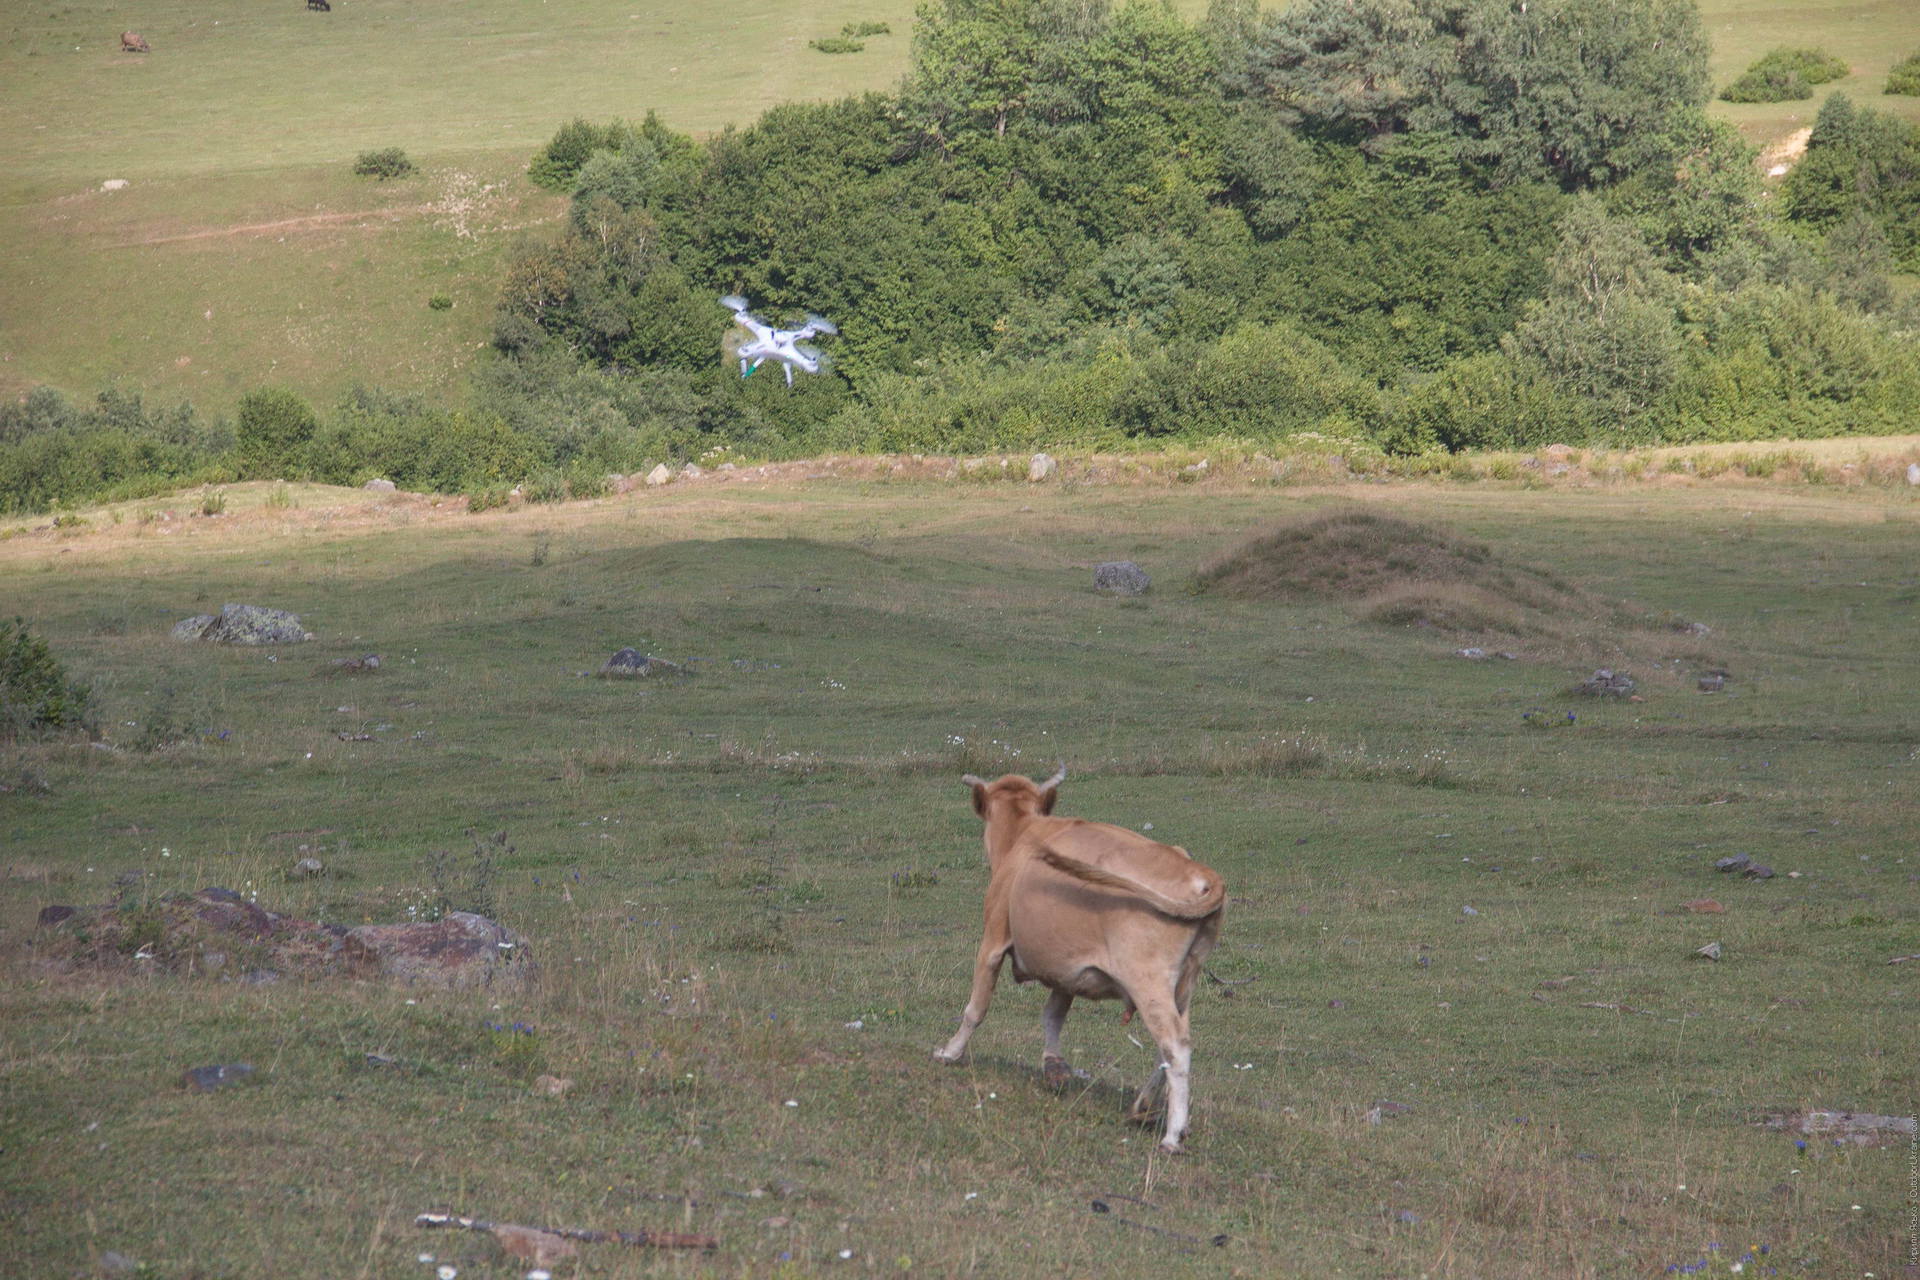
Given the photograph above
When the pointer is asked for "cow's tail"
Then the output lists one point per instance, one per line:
(1205, 903)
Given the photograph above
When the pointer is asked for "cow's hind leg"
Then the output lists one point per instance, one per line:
(1053, 1064)
(1168, 1026)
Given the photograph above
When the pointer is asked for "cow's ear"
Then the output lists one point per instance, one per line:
(979, 793)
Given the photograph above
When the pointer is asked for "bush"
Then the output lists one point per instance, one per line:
(486, 497)
(1905, 76)
(35, 693)
(861, 30)
(1785, 75)
(836, 44)
(440, 302)
(387, 162)
(273, 430)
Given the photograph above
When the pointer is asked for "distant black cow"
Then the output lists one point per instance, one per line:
(321, 5)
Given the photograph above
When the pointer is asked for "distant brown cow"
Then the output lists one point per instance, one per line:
(1096, 911)
(133, 42)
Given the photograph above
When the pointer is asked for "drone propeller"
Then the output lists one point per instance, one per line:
(809, 351)
(822, 324)
(734, 302)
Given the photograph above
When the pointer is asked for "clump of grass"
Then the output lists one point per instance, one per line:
(1267, 757)
(836, 44)
(861, 30)
(213, 502)
(487, 497)
(280, 497)
(440, 302)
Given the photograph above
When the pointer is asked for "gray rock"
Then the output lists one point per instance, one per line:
(1607, 683)
(659, 475)
(381, 485)
(192, 628)
(1758, 872)
(1121, 577)
(1913, 473)
(1474, 654)
(115, 1263)
(309, 867)
(1041, 468)
(207, 1079)
(252, 624)
(1737, 862)
(1709, 952)
(458, 951)
(632, 662)
(1713, 682)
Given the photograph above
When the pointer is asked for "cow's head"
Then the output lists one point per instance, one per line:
(1012, 798)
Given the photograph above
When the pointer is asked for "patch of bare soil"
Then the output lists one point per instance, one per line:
(1779, 156)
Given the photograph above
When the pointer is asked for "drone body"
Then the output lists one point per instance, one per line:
(769, 343)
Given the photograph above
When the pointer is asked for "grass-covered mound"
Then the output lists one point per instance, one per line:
(1401, 573)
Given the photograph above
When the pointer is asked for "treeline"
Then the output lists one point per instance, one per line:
(1428, 223)
(1420, 224)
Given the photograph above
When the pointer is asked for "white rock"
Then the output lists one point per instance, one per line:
(659, 475)
(1778, 171)
(691, 472)
(1913, 473)
(115, 184)
(1041, 468)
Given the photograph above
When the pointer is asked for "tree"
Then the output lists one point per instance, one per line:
(273, 426)
(1605, 330)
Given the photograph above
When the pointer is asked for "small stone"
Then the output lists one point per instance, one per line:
(659, 476)
(1737, 862)
(631, 662)
(309, 867)
(1041, 468)
(1468, 911)
(1709, 952)
(115, 184)
(115, 1263)
(1713, 682)
(207, 1079)
(1913, 473)
(1121, 577)
(1406, 1217)
(1336, 1004)
(1475, 655)
(1704, 907)
(691, 472)
(380, 484)
(1607, 683)
(1758, 872)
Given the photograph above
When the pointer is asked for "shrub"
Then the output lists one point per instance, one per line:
(387, 162)
(486, 498)
(1784, 75)
(547, 486)
(861, 30)
(35, 693)
(440, 302)
(836, 44)
(273, 430)
(569, 149)
(1905, 76)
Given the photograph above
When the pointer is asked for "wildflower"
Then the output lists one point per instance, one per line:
(447, 1272)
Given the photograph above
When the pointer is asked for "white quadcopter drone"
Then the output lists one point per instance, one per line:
(783, 345)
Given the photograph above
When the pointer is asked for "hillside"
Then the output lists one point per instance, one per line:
(320, 280)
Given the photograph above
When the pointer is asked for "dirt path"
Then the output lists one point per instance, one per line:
(310, 222)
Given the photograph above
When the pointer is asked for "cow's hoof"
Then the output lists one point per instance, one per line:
(941, 1055)
(1172, 1147)
(1055, 1071)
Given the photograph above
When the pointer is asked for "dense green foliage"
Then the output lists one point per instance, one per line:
(1905, 76)
(1785, 75)
(1412, 224)
(35, 691)
(387, 162)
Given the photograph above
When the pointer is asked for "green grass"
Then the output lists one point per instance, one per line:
(1869, 35)
(720, 872)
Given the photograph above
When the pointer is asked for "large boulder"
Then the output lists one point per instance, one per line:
(249, 624)
(193, 628)
(457, 951)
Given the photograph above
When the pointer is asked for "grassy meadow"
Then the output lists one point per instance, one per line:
(244, 252)
(720, 873)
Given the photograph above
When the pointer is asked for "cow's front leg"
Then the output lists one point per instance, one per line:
(1053, 1064)
(986, 972)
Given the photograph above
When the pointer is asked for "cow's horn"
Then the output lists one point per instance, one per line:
(972, 781)
(1059, 777)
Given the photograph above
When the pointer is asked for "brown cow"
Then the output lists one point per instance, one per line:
(1092, 910)
(133, 42)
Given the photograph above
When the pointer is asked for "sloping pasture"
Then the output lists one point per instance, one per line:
(753, 891)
